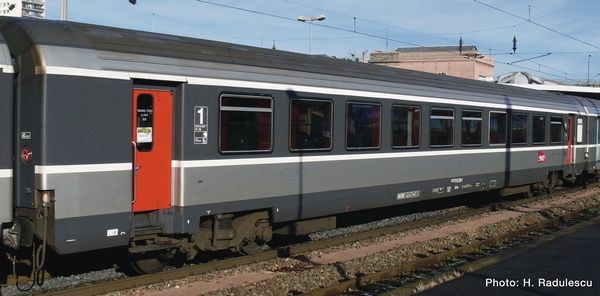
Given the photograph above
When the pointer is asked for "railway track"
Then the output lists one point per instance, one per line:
(284, 252)
(435, 268)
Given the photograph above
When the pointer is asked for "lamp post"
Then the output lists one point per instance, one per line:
(588, 81)
(319, 17)
(64, 9)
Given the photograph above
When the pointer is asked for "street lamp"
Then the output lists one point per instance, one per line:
(588, 82)
(64, 9)
(319, 17)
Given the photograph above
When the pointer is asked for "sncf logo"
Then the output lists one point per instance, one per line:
(541, 156)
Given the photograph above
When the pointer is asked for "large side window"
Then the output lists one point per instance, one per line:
(472, 122)
(310, 125)
(519, 128)
(406, 126)
(363, 125)
(539, 129)
(246, 124)
(556, 130)
(441, 127)
(497, 128)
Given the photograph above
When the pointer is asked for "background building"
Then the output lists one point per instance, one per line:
(27, 8)
(448, 60)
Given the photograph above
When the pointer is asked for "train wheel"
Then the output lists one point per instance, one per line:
(151, 262)
(251, 248)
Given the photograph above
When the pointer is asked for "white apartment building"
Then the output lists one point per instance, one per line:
(25, 8)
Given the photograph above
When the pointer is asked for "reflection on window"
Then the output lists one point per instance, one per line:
(556, 129)
(519, 128)
(497, 128)
(246, 124)
(539, 129)
(406, 124)
(441, 127)
(362, 125)
(472, 122)
(310, 125)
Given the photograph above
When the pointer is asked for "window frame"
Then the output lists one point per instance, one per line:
(471, 119)
(144, 122)
(347, 126)
(412, 127)
(442, 117)
(543, 126)
(524, 128)
(330, 125)
(270, 110)
(580, 130)
(562, 129)
(492, 136)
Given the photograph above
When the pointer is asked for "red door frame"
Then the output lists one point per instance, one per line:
(153, 145)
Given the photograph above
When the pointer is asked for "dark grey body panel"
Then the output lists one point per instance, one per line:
(6, 148)
(75, 99)
(340, 184)
(310, 205)
(86, 144)
(6, 133)
(92, 232)
(86, 121)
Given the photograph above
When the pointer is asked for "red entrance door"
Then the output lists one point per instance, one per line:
(152, 138)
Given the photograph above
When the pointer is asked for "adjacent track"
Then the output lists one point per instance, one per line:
(372, 279)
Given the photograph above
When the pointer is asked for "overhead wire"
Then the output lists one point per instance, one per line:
(438, 35)
(537, 24)
(314, 24)
(181, 22)
(547, 14)
(364, 34)
(528, 20)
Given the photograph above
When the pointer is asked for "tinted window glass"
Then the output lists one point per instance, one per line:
(406, 124)
(539, 129)
(246, 124)
(556, 129)
(145, 122)
(519, 128)
(310, 125)
(497, 128)
(472, 122)
(441, 127)
(362, 125)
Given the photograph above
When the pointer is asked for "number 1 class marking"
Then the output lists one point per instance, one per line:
(201, 112)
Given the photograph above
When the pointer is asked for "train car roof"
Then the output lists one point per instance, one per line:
(93, 50)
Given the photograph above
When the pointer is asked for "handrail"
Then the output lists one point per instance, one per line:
(134, 172)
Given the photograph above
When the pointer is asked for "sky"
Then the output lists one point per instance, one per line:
(556, 39)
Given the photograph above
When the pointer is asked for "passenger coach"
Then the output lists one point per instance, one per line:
(165, 143)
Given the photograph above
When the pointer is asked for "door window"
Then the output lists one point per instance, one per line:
(145, 122)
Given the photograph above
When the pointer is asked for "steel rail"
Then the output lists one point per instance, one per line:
(436, 258)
